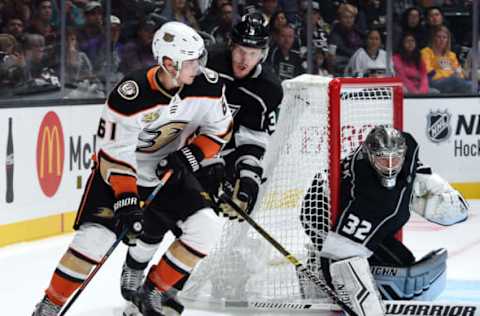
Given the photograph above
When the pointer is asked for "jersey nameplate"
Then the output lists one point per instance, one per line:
(128, 90)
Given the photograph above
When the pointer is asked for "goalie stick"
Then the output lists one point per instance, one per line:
(301, 269)
(392, 307)
(120, 237)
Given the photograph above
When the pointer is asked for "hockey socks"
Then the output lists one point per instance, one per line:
(72, 270)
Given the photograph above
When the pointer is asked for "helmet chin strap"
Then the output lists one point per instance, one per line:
(173, 78)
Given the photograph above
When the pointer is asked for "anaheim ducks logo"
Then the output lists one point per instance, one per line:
(168, 37)
(157, 138)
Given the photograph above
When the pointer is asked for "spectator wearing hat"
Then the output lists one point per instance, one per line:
(137, 53)
(91, 37)
(345, 37)
(321, 29)
(286, 62)
(101, 66)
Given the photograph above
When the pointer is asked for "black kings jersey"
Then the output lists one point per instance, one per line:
(142, 123)
(254, 103)
(371, 212)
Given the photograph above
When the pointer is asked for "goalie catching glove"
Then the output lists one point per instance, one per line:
(245, 190)
(127, 210)
(436, 201)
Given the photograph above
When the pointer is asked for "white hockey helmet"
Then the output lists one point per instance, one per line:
(179, 42)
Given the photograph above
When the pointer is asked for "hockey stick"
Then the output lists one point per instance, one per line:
(301, 269)
(120, 237)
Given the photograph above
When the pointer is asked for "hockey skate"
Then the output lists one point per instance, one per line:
(130, 282)
(46, 308)
(149, 301)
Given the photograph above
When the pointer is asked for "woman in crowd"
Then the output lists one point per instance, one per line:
(409, 66)
(369, 59)
(444, 71)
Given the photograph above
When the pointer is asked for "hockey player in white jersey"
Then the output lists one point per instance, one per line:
(167, 117)
(382, 181)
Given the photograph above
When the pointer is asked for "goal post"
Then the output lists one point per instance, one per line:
(321, 121)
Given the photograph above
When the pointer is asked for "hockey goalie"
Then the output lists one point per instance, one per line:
(382, 181)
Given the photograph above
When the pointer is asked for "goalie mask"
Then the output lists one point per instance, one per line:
(180, 43)
(386, 148)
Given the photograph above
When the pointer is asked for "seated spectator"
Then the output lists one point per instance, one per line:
(435, 19)
(91, 37)
(182, 12)
(18, 8)
(369, 59)
(42, 22)
(15, 27)
(286, 62)
(320, 63)
(209, 20)
(409, 66)
(11, 62)
(39, 76)
(137, 53)
(78, 67)
(412, 23)
(101, 67)
(320, 31)
(221, 32)
(444, 71)
(346, 38)
(268, 9)
(468, 63)
(277, 22)
(74, 14)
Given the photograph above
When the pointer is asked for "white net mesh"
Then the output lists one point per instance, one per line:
(243, 267)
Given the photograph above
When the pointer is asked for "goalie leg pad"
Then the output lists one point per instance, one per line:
(354, 283)
(423, 281)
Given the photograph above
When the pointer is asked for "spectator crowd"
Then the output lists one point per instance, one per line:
(431, 40)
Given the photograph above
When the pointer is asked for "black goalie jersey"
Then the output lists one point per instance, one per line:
(254, 103)
(370, 213)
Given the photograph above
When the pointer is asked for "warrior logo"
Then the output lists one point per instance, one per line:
(438, 126)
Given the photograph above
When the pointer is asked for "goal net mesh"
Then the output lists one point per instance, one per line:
(243, 267)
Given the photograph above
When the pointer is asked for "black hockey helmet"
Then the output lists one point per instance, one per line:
(251, 31)
(386, 148)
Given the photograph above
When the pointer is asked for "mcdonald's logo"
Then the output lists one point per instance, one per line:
(50, 154)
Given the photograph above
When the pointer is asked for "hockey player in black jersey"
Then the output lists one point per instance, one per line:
(166, 118)
(253, 93)
(382, 181)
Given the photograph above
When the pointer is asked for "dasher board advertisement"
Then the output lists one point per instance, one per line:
(46, 159)
(448, 132)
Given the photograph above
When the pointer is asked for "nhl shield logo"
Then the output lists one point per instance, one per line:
(168, 37)
(438, 126)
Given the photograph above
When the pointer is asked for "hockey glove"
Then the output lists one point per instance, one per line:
(211, 174)
(245, 191)
(186, 159)
(130, 216)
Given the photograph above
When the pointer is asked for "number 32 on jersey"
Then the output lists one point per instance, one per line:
(356, 227)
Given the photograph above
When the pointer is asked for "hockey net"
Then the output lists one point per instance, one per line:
(321, 121)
